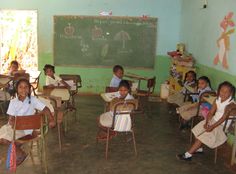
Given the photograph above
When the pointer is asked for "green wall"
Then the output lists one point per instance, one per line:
(94, 80)
(216, 76)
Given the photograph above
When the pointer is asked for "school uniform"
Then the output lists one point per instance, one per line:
(106, 118)
(217, 136)
(18, 108)
(178, 97)
(115, 81)
(53, 81)
(189, 110)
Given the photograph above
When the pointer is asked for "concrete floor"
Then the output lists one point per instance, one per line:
(158, 141)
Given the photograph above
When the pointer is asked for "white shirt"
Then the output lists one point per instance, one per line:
(221, 108)
(200, 91)
(19, 108)
(51, 81)
(115, 81)
(186, 84)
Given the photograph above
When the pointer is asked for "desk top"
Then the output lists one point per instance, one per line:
(135, 76)
(4, 80)
(107, 97)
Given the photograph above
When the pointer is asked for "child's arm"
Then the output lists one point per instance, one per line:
(219, 122)
(11, 120)
(47, 112)
(65, 84)
(227, 111)
(210, 115)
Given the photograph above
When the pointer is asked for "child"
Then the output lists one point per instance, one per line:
(14, 66)
(189, 110)
(118, 73)
(23, 104)
(189, 81)
(51, 78)
(5, 96)
(210, 131)
(123, 93)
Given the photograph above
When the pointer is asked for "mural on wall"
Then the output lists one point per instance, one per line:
(223, 42)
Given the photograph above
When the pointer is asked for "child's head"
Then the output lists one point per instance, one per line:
(49, 70)
(124, 88)
(14, 65)
(118, 71)
(203, 82)
(190, 76)
(225, 91)
(23, 88)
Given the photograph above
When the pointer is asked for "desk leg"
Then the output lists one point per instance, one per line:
(139, 82)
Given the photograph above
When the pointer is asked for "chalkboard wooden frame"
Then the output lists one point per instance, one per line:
(149, 21)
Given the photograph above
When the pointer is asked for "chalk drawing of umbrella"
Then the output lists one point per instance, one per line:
(122, 36)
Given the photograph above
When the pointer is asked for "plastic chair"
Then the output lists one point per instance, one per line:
(122, 109)
(35, 122)
(146, 93)
(64, 94)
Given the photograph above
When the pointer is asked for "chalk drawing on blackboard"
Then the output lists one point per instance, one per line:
(122, 36)
(97, 33)
(104, 50)
(84, 46)
(69, 30)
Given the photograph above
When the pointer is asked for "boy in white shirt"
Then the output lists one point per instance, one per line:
(51, 78)
(118, 73)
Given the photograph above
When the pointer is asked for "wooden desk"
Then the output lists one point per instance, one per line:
(108, 97)
(4, 81)
(136, 77)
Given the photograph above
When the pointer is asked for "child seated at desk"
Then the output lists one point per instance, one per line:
(24, 104)
(51, 78)
(105, 119)
(189, 81)
(13, 69)
(210, 131)
(188, 109)
(118, 73)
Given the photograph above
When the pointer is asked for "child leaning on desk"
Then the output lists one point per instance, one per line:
(123, 93)
(210, 131)
(178, 97)
(188, 109)
(118, 72)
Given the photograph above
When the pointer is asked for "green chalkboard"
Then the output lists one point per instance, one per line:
(105, 41)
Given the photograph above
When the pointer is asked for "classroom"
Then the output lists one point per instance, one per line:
(117, 86)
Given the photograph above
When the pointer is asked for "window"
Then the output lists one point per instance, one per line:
(18, 39)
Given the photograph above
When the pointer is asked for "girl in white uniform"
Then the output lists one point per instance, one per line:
(210, 131)
(24, 104)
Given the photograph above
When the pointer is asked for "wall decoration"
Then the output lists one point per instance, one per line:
(223, 42)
